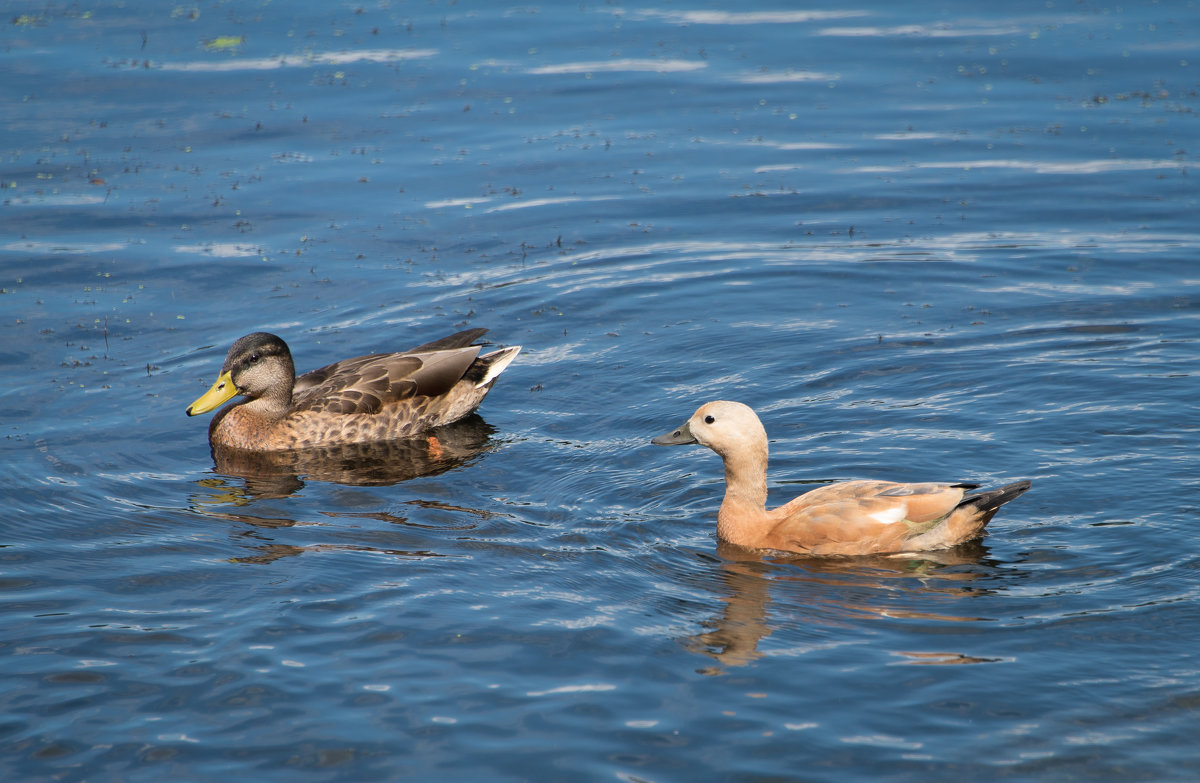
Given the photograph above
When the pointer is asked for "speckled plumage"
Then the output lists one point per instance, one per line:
(361, 400)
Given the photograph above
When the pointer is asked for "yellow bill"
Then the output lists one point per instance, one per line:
(221, 391)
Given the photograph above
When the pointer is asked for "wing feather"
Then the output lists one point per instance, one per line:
(854, 514)
(368, 384)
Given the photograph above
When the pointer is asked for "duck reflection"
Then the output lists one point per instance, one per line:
(283, 473)
(749, 577)
(250, 478)
(262, 530)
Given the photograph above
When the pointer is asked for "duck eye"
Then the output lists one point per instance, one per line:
(254, 358)
(709, 420)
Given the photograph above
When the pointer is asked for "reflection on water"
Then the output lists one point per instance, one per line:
(296, 61)
(249, 478)
(282, 473)
(945, 658)
(269, 553)
(258, 527)
(749, 576)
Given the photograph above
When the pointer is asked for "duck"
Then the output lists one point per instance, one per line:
(860, 517)
(366, 399)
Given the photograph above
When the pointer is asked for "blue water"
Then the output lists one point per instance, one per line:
(924, 242)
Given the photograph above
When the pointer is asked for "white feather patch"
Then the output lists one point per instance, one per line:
(890, 516)
(505, 357)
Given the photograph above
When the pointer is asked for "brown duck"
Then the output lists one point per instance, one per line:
(378, 397)
(847, 518)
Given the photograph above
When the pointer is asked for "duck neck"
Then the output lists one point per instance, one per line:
(271, 406)
(743, 511)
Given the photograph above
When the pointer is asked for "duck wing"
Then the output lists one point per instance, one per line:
(858, 517)
(367, 384)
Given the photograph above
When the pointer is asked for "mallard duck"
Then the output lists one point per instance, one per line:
(847, 518)
(377, 397)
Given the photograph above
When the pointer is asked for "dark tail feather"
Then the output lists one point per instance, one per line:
(991, 499)
(457, 340)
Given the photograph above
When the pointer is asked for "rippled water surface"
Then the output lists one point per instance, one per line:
(923, 241)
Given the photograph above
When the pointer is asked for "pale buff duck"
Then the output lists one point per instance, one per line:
(379, 397)
(847, 518)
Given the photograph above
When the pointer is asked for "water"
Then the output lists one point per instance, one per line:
(923, 242)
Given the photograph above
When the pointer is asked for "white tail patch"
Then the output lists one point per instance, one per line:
(891, 515)
(503, 358)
